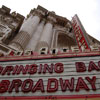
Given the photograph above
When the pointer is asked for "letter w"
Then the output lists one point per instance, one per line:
(67, 84)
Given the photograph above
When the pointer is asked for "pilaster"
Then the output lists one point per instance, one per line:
(28, 28)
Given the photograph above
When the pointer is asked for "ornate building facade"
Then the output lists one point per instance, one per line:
(46, 56)
(41, 30)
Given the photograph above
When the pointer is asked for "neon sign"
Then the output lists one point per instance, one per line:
(79, 33)
(52, 85)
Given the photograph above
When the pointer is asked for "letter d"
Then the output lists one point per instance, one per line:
(52, 85)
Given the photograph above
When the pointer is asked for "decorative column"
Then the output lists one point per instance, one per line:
(45, 40)
(35, 37)
(27, 30)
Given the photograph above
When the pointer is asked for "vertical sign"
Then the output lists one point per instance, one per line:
(80, 33)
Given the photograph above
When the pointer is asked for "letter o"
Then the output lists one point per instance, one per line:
(27, 89)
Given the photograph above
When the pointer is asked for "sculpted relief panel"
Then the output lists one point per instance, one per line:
(5, 31)
(7, 25)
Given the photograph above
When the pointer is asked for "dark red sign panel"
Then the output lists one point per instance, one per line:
(79, 33)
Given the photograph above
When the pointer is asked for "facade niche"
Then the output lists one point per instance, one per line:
(64, 40)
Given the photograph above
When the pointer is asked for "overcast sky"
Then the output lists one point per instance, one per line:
(87, 10)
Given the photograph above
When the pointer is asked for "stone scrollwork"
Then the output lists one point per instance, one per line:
(8, 20)
(2, 28)
(4, 31)
(51, 19)
(1, 34)
(39, 13)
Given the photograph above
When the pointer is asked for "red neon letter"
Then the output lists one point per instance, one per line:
(66, 84)
(22, 68)
(15, 70)
(15, 84)
(99, 64)
(53, 88)
(80, 67)
(49, 68)
(59, 68)
(8, 69)
(40, 69)
(28, 82)
(1, 68)
(33, 69)
(92, 66)
(38, 86)
(4, 86)
(92, 82)
(81, 84)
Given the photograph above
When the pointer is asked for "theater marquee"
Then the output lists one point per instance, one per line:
(64, 79)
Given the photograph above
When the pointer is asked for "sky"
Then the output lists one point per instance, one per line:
(87, 10)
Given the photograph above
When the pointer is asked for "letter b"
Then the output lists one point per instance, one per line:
(80, 67)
